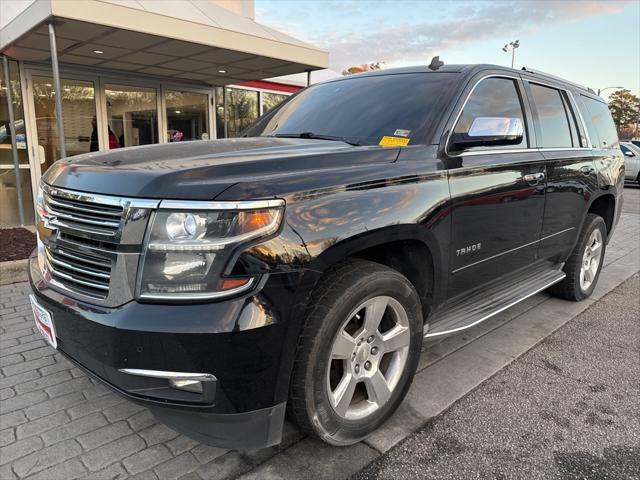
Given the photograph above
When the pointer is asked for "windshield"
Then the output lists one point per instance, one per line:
(359, 110)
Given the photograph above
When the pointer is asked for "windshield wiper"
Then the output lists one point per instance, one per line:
(318, 136)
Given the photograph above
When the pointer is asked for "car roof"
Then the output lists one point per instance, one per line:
(469, 70)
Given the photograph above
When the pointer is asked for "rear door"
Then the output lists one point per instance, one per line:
(497, 192)
(571, 173)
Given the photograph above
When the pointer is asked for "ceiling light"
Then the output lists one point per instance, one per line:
(48, 84)
(178, 112)
(99, 52)
(222, 71)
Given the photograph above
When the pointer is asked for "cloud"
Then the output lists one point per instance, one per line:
(446, 26)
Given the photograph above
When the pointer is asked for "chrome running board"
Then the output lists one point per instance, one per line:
(474, 308)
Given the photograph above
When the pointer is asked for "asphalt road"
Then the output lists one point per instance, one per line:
(569, 408)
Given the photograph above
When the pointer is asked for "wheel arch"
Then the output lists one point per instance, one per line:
(410, 249)
(604, 205)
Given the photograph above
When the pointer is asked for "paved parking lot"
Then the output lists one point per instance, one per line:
(569, 408)
(55, 423)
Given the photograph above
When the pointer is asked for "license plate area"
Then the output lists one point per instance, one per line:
(44, 322)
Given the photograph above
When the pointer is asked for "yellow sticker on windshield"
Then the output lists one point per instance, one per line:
(387, 141)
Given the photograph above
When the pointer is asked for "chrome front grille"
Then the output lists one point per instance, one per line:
(91, 243)
(82, 213)
(86, 274)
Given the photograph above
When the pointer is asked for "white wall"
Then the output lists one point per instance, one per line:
(246, 8)
(10, 9)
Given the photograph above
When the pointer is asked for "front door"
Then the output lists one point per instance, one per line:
(497, 194)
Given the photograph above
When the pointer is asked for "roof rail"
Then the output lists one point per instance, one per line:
(538, 72)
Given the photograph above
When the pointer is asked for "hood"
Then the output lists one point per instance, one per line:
(201, 170)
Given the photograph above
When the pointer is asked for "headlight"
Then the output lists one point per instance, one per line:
(186, 251)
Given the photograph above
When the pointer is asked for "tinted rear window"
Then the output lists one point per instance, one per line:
(601, 127)
(555, 128)
(361, 109)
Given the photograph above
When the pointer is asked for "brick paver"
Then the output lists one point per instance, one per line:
(56, 423)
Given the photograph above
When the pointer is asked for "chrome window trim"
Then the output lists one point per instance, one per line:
(574, 105)
(497, 151)
(464, 104)
(522, 150)
(223, 205)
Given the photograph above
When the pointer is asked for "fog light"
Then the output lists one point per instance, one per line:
(191, 382)
(188, 385)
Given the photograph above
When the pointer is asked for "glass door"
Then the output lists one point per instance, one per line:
(78, 115)
(187, 115)
(132, 115)
(9, 211)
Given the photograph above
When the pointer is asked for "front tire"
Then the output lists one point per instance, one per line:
(357, 354)
(585, 262)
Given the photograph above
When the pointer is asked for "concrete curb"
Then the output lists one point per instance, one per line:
(14, 271)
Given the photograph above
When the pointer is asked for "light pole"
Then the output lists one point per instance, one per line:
(607, 88)
(511, 47)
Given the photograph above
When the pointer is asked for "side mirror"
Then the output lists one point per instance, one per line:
(489, 132)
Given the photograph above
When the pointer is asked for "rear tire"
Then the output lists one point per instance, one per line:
(585, 262)
(357, 354)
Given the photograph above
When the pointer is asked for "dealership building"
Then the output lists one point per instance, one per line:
(90, 75)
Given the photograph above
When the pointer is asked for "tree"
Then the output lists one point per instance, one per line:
(365, 67)
(625, 109)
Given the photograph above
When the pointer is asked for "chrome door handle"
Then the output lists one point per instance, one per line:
(534, 177)
(587, 169)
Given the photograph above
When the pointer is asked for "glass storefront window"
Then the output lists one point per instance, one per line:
(9, 216)
(6, 157)
(243, 110)
(187, 116)
(132, 116)
(271, 100)
(78, 115)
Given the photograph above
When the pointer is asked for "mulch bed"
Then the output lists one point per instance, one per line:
(16, 244)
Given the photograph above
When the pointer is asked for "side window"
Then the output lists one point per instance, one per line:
(627, 151)
(557, 125)
(605, 134)
(493, 97)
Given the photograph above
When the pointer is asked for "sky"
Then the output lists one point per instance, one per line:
(596, 44)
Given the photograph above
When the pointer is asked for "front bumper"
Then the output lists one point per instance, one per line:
(240, 341)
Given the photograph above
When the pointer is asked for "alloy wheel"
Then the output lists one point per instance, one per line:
(591, 260)
(368, 357)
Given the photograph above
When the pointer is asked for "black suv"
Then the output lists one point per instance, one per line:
(299, 268)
